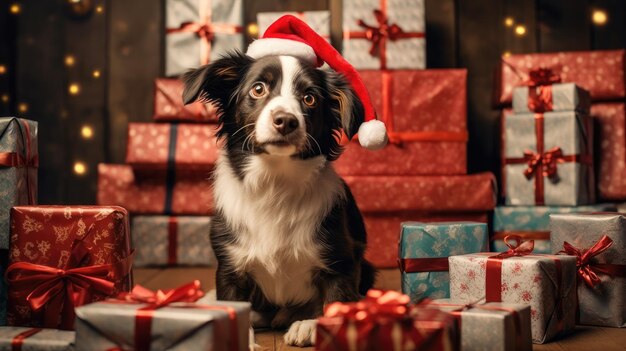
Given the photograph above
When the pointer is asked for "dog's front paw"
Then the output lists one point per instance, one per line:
(301, 333)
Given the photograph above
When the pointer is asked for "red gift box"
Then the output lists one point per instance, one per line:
(388, 201)
(425, 112)
(599, 72)
(159, 146)
(62, 257)
(161, 193)
(169, 106)
(611, 151)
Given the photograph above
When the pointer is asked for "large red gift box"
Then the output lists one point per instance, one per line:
(425, 112)
(610, 149)
(62, 257)
(387, 201)
(169, 106)
(161, 193)
(599, 72)
(158, 146)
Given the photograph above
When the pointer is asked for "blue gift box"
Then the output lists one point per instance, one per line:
(532, 222)
(423, 254)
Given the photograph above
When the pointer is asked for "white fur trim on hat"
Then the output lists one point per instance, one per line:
(373, 135)
(278, 46)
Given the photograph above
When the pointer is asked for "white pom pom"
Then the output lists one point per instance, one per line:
(373, 135)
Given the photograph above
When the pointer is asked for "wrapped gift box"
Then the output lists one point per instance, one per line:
(560, 97)
(599, 72)
(28, 339)
(89, 244)
(200, 31)
(185, 326)
(426, 117)
(319, 21)
(610, 149)
(179, 194)
(424, 250)
(547, 160)
(380, 34)
(18, 169)
(491, 326)
(600, 301)
(532, 223)
(169, 106)
(343, 327)
(172, 241)
(546, 283)
(386, 202)
(159, 146)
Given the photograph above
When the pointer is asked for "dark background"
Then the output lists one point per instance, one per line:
(123, 41)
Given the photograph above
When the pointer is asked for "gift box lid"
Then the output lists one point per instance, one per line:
(43, 339)
(537, 218)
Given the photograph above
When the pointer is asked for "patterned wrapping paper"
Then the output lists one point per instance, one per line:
(567, 140)
(491, 326)
(427, 108)
(179, 326)
(45, 235)
(427, 247)
(605, 303)
(532, 222)
(383, 231)
(533, 280)
(169, 106)
(158, 146)
(171, 241)
(200, 31)
(396, 34)
(183, 194)
(565, 97)
(18, 169)
(319, 21)
(43, 340)
(3, 288)
(610, 149)
(599, 72)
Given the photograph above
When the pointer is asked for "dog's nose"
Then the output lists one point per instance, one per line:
(285, 123)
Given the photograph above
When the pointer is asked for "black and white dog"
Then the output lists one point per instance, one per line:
(287, 232)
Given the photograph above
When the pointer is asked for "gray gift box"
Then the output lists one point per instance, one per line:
(565, 97)
(493, 327)
(43, 340)
(183, 50)
(573, 183)
(179, 326)
(604, 304)
(151, 239)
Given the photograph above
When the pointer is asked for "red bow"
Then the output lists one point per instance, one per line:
(548, 160)
(519, 248)
(377, 33)
(542, 76)
(189, 292)
(377, 304)
(588, 270)
(202, 30)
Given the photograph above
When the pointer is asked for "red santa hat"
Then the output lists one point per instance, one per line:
(290, 36)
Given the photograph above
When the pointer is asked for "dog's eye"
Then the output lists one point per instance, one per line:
(309, 100)
(258, 90)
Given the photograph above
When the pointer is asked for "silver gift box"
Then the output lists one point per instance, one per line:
(569, 130)
(44, 340)
(565, 97)
(484, 329)
(105, 325)
(605, 304)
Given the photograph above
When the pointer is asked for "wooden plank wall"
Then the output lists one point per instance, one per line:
(125, 42)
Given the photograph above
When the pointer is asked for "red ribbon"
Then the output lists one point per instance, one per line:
(18, 340)
(205, 29)
(58, 291)
(493, 279)
(172, 239)
(416, 265)
(587, 270)
(540, 89)
(381, 32)
(543, 163)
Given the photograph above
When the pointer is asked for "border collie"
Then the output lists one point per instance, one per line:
(287, 233)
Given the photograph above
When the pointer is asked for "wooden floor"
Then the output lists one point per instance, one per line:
(584, 339)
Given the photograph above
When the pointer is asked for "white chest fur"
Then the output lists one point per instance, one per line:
(275, 212)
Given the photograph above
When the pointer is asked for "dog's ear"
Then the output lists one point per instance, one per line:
(345, 104)
(216, 81)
